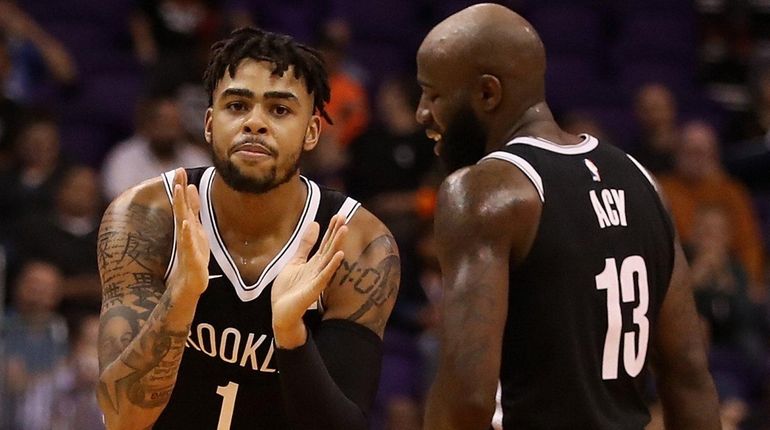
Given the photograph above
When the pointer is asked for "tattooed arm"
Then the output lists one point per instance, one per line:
(486, 218)
(341, 358)
(365, 286)
(144, 320)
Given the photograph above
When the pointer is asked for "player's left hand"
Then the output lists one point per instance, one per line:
(302, 281)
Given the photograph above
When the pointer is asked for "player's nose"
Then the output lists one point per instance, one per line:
(255, 123)
(422, 115)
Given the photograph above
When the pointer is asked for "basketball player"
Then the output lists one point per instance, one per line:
(213, 317)
(563, 276)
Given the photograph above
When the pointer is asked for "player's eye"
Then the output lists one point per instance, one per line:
(281, 110)
(236, 106)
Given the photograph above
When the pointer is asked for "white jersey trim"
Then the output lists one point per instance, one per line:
(349, 208)
(168, 184)
(524, 166)
(646, 173)
(588, 144)
(222, 256)
(497, 418)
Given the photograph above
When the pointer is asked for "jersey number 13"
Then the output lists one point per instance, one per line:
(623, 287)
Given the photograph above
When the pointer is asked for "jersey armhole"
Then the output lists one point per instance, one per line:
(349, 208)
(168, 185)
(645, 172)
(669, 223)
(524, 166)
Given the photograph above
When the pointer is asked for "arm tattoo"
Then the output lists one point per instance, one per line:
(150, 365)
(133, 249)
(155, 360)
(377, 280)
(141, 237)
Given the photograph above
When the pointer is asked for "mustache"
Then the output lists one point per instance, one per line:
(254, 141)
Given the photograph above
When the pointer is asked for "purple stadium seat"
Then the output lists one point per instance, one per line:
(111, 16)
(570, 81)
(299, 18)
(568, 29)
(45, 11)
(85, 142)
(393, 21)
(382, 59)
(106, 100)
(671, 8)
(655, 38)
(99, 62)
(79, 36)
(93, 48)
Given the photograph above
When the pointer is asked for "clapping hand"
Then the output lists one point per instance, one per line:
(302, 281)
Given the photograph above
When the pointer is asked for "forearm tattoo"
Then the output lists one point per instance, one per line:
(133, 249)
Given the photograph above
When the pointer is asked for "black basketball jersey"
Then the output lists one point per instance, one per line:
(227, 378)
(584, 302)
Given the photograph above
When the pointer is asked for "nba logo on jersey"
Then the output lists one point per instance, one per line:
(593, 169)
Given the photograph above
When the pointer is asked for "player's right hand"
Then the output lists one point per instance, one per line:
(191, 268)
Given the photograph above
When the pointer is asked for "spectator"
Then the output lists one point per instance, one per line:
(720, 286)
(65, 399)
(699, 180)
(748, 157)
(348, 109)
(171, 38)
(10, 110)
(35, 338)
(755, 125)
(392, 168)
(28, 187)
(393, 160)
(724, 50)
(349, 106)
(72, 226)
(35, 55)
(160, 144)
(656, 115)
(75, 406)
(389, 164)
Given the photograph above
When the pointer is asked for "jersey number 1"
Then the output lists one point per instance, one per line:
(621, 288)
(228, 392)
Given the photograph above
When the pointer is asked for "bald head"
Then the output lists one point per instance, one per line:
(482, 73)
(490, 39)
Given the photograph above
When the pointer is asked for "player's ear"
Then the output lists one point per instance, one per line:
(312, 133)
(490, 92)
(207, 126)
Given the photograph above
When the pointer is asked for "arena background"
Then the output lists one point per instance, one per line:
(97, 95)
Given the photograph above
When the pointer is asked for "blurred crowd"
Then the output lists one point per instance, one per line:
(98, 96)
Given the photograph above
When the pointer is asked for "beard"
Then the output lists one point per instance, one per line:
(465, 140)
(237, 180)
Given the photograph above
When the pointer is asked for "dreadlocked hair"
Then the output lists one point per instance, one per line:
(281, 50)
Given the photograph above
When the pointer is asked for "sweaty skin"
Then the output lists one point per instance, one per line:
(488, 62)
(258, 126)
